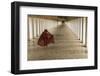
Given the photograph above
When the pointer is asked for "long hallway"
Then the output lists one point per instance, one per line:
(66, 46)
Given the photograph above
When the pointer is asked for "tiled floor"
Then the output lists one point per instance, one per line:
(66, 46)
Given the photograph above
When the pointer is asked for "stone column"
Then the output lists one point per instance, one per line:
(84, 31)
(32, 28)
(81, 29)
(28, 28)
(36, 27)
(39, 27)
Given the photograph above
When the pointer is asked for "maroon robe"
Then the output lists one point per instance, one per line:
(45, 38)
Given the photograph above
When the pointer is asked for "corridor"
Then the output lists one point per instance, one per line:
(67, 46)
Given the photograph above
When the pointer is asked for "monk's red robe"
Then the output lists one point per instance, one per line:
(45, 39)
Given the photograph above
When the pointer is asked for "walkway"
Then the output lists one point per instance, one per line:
(66, 46)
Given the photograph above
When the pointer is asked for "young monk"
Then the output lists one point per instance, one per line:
(45, 38)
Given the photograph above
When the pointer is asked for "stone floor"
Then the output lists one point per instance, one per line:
(66, 46)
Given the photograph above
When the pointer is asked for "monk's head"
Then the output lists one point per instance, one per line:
(45, 30)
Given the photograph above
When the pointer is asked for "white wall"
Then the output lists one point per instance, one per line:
(5, 41)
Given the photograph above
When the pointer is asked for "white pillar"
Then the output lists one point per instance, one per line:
(34, 22)
(84, 31)
(39, 28)
(41, 25)
(78, 24)
(36, 28)
(81, 29)
(30, 29)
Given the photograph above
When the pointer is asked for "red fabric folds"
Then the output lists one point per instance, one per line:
(45, 38)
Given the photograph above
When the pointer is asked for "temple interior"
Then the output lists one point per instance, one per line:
(70, 36)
